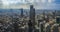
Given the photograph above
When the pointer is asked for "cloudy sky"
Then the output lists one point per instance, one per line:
(38, 4)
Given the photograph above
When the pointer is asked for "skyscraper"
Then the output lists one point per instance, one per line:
(32, 13)
(32, 18)
(21, 12)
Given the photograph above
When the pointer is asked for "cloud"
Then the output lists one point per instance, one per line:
(50, 1)
(5, 2)
(43, 1)
(48, 6)
(39, 4)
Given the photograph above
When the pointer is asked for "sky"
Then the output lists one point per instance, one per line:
(38, 4)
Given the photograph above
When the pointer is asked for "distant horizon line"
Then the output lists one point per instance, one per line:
(29, 9)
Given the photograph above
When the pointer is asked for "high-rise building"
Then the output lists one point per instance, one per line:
(58, 16)
(32, 18)
(32, 13)
(16, 27)
(21, 12)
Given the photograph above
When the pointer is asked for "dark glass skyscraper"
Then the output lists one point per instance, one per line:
(32, 13)
(32, 19)
(21, 12)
